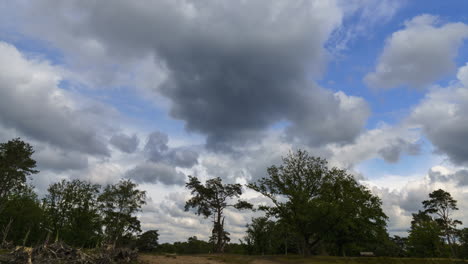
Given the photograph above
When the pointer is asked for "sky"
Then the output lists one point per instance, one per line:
(154, 91)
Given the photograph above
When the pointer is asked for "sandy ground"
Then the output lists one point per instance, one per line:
(150, 259)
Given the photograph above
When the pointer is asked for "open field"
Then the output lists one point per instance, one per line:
(238, 259)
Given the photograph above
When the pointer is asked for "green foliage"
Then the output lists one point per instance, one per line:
(148, 241)
(463, 239)
(357, 222)
(322, 205)
(441, 204)
(118, 205)
(398, 247)
(71, 211)
(21, 219)
(267, 237)
(75, 212)
(16, 165)
(192, 246)
(212, 199)
(259, 236)
(424, 238)
(238, 259)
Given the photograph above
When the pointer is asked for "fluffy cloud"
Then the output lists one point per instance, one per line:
(462, 75)
(419, 54)
(442, 117)
(32, 103)
(48, 158)
(150, 172)
(157, 150)
(460, 177)
(399, 203)
(184, 224)
(387, 142)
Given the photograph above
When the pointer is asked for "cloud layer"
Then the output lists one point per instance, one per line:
(230, 70)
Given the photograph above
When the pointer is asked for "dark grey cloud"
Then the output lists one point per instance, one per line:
(156, 146)
(162, 161)
(125, 143)
(234, 68)
(157, 150)
(392, 152)
(412, 201)
(182, 157)
(460, 177)
(151, 172)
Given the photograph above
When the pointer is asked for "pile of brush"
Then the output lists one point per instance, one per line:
(61, 253)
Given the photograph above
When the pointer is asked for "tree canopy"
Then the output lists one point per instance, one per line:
(118, 205)
(16, 164)
(441, 204)
(320, 203)
(212, 199)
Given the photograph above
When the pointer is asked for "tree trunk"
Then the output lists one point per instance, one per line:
(218, 243)
(305, 246)
(449, 241)
(6, 230)
(286, 247)
(342, 249)
(26, 236)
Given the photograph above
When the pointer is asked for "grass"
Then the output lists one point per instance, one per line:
(239, 259)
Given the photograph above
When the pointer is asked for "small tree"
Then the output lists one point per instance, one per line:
(212, 199)
(16, 165)
(441, 204)
(148, 241)
(118, 205)
(260, 235)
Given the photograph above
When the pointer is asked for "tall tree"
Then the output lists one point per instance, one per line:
(356, 215)
(118, 204)
(212, 199)
(16, 164)
(71, 210)
(441, 204)
(315, 200)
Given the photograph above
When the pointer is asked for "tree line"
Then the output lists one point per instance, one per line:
(311, 208)
(76, 212)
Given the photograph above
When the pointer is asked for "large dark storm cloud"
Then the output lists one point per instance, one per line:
(234, 68)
